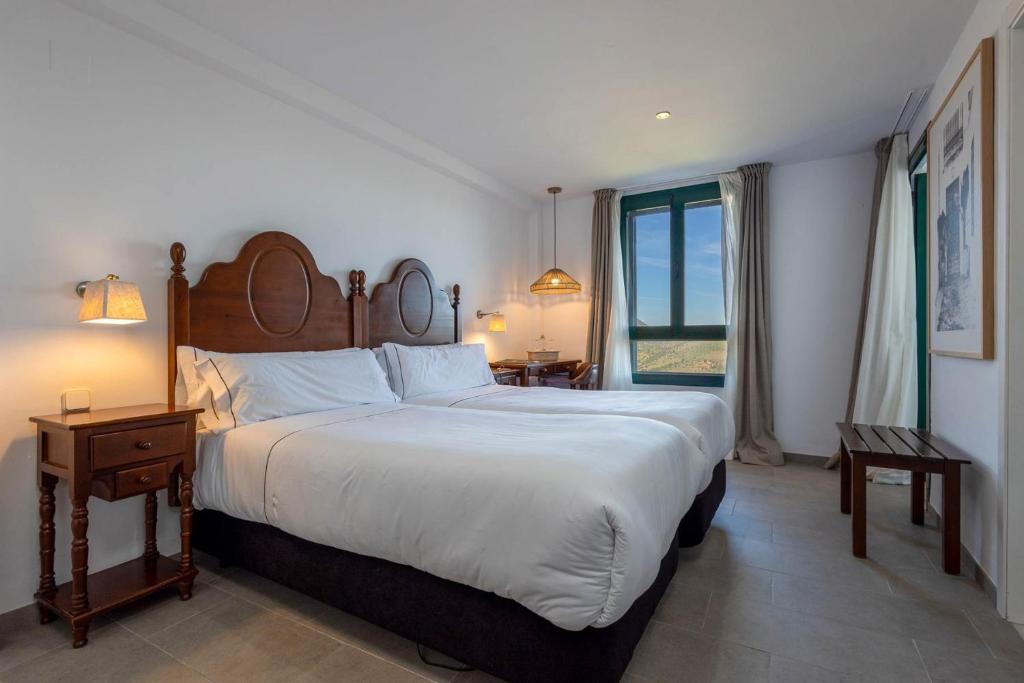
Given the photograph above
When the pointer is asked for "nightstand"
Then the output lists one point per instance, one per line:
(113, 454)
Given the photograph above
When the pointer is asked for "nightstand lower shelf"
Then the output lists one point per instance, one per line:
(117, 586)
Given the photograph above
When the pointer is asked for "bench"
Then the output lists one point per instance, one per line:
(917, 450)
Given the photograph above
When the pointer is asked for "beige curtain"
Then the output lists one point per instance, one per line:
(755, 438)
(882, 150)
(601, 275)
(608, 332)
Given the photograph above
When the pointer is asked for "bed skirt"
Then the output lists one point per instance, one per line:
(491, 633)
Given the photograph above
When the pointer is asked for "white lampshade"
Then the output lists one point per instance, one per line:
(111, 302)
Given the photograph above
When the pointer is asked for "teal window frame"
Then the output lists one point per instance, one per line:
(919, 188)
(676, 200)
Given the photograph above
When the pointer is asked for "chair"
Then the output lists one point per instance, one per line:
(585, 377)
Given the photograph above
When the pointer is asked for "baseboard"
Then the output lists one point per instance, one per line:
(806, 459)
(970, 567)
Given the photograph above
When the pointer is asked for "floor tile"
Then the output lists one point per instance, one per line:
(684, 605)
(814, 640)
(949, 666)
(785, 670)
(113, 654)
(238, 641)
(1001, 637)
(158, 612)
(726, 578)
(376, 640)
(348, 664)
(746, 527)
(269, 594)
(875, 611)
(672, 654)
(957, 592)
(22, 637)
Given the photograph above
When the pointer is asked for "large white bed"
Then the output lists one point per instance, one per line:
(702, 417)
(568, 515)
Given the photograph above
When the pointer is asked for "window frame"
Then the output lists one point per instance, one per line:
(676, 200)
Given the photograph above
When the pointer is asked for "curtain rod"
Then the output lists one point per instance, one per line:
(679, 182)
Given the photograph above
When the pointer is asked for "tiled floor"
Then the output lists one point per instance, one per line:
(773, 594)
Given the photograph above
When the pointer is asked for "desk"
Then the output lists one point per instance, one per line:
(528, 368)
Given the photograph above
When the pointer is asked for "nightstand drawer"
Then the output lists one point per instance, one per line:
(135, 445)
(140, 480)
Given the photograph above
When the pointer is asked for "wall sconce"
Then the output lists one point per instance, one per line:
(496, 323)
(110, 302)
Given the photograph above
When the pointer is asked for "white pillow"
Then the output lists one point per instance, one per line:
(252, 387)
(419, 370)
(389, 361)
(190, 388)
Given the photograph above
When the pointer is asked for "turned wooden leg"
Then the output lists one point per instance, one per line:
(859, 500)
(150, 551)
(951, 518)
(79, 556)
(185, 566)
(47, 584)
(917, 497)
(844, 479)
(79, 635)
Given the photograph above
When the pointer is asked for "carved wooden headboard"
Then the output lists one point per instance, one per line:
(411, 309)
(272, 297)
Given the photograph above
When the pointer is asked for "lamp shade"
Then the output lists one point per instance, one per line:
(497, 323)
(555, 281)
(112, 302)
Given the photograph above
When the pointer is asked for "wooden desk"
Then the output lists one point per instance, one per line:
(528, 368)
(113, 454)
(863, 446)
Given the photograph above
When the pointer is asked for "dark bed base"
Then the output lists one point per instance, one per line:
(491, 633)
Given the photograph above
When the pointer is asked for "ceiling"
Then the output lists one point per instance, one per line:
(538, 93)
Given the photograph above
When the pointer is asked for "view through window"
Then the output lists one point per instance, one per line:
(673, 243)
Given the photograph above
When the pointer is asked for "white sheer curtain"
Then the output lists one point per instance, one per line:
(618, 364)
(887, 379)
(731, 185)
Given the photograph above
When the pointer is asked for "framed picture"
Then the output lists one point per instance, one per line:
(961, 214)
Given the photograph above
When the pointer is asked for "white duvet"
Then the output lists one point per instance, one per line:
(569, 515)
(703, 417)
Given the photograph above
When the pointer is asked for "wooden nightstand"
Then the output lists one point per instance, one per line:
(113, 454)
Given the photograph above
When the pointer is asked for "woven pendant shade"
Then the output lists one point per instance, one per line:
(555, 280)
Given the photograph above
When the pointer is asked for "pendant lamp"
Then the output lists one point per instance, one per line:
(555, 280)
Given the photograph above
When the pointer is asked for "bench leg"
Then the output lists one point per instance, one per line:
(844, 480)
(917, 497)
(951, 518)
(859, 496)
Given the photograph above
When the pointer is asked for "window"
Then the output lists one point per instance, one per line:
(672, 246)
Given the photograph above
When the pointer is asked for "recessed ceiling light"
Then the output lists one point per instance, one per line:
(662, 115)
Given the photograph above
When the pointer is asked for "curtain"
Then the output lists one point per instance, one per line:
(885, 390)
(755, 438)
(608, 331)
(731, 185)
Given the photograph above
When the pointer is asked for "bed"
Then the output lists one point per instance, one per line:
(333, 511)
(411, 310)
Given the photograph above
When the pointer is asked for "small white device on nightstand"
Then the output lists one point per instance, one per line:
(75, 401)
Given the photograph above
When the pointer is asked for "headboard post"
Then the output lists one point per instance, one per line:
(177, 315)
(360, 308)
(456, 290)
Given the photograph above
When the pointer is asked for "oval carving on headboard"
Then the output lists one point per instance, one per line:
(279, 291)
(415, 303)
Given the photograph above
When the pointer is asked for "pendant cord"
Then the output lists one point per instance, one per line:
(554, 215)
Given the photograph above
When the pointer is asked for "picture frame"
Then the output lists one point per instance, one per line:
(961, 214)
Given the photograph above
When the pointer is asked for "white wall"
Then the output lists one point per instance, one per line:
(820, 213)
(968, 397)
(114, 148)
(819, 221)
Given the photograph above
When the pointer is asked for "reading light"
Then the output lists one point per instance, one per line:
(662, 115)
(110, 302)
(496, 323)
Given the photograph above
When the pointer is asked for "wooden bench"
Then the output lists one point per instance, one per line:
(917, 450)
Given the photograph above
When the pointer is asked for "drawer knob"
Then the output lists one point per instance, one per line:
(145, 479)
(144, 445)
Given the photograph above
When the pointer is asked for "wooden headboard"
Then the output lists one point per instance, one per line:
(272, 297)
(410, 309)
